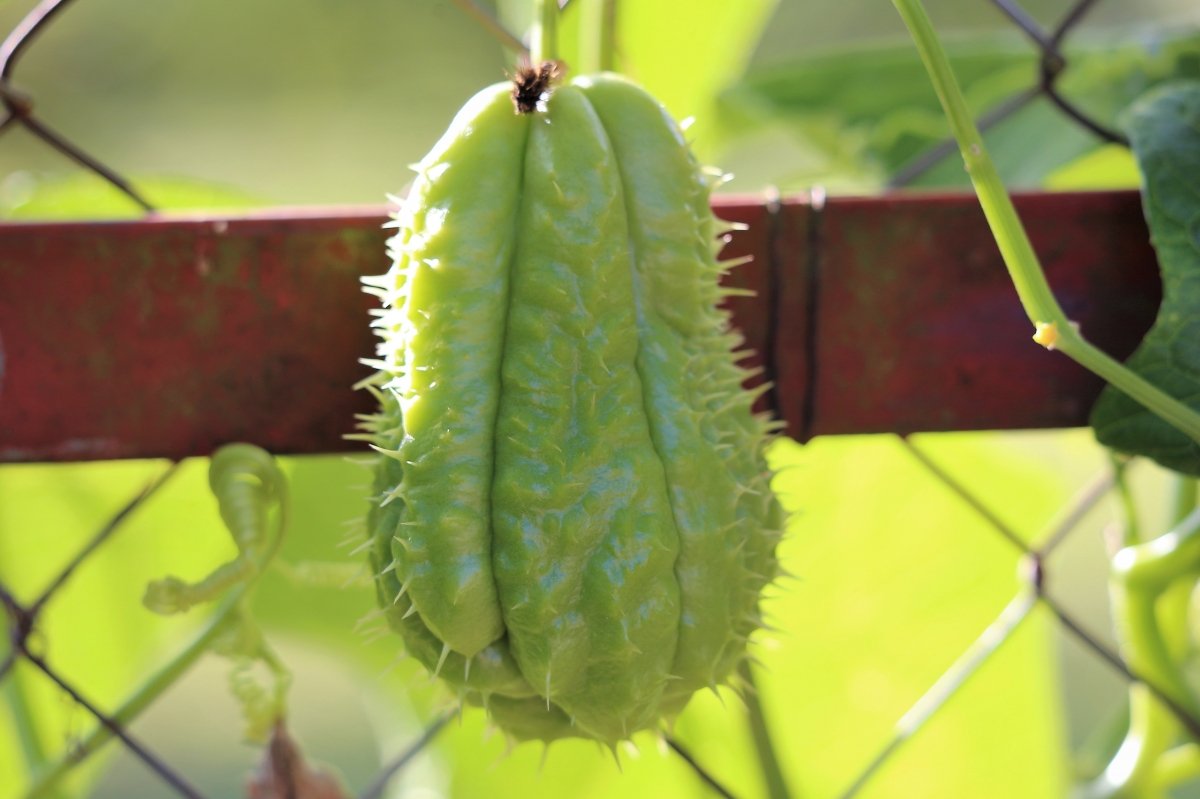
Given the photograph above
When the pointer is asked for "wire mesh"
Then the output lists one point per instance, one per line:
(1052, 64)
(20, 107)
(1033, 588)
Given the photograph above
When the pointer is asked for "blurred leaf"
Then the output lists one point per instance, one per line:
(708, 46)
(1164, 130)
(82, 195)
(1109, 167)
(881, 101)
(872, 107)
(895, 577)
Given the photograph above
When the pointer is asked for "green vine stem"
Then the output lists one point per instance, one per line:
(149, 691)
(1177, 766)
(598, 51)
(544, 41)
(1185, 496)
(1150, 588)
(768, 760)
(1130, 525)
(227, 613)
(29, 732)
(1150, 580)
(1182, 763)
(1053, 329)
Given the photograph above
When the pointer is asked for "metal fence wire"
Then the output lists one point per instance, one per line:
(1034, 584)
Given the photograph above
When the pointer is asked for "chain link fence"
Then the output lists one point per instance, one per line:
(1052, 65)
(1034, 589)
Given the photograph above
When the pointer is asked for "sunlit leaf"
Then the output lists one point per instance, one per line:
(895, 576)
(1109, 167)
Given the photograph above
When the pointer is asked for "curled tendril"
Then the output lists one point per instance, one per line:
(258, 680)
(248, 486)
(247, 483)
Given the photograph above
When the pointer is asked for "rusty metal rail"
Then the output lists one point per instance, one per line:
(166, 337)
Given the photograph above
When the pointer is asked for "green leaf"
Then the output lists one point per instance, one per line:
(1164, 130)
(709, 45)
(1109, 167)
(882, 126)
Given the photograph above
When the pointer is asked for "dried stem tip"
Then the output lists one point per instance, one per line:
(531, 83)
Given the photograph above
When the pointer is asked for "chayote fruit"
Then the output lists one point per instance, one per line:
(574, 520)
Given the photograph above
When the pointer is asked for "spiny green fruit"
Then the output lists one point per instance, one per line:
(573, 520)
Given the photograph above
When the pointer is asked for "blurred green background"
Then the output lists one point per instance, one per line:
(290, 102)
(300, 102)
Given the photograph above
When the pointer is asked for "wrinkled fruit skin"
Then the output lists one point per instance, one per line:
(573, 521)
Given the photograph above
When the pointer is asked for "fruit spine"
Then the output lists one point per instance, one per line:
(573, 520)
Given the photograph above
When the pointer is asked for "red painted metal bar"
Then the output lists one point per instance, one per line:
(170, 336)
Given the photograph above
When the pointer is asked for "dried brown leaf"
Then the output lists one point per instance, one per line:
(283, 774)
